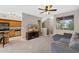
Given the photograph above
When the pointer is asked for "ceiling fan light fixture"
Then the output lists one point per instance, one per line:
(48, 9)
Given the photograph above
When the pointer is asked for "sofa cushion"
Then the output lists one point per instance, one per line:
(75, 47)
(57, 37)
(60, 48)
(67, 35)
(64, 40)
(75, 44)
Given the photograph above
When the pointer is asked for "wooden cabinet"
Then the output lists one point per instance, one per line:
(32, 35)
(18, 33)
(15, 24)
(4, 21)
(12, 23)
(11, 33)
(14, 33)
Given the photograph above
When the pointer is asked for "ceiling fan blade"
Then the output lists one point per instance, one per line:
(41, 9)
(53, 10)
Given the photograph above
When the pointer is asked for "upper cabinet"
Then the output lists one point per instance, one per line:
(4, 21)
(15, 23)
(12, 23)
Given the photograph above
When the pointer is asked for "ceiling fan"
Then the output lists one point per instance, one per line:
(48, 9)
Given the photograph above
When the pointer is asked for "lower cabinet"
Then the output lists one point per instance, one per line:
(14, 33)
(31, 35)
(11, 33)
(18, 33)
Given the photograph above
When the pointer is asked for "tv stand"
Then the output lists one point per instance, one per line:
(32, 35)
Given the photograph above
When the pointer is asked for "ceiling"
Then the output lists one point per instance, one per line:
(33, 9)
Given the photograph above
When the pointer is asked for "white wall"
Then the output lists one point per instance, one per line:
(78, 19)
(51, 20)
(49, 25)
(25, 20)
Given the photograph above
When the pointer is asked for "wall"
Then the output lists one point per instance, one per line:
(51, 27)
(78, 19)
(48, 23)
(26, 18)
(76, 22)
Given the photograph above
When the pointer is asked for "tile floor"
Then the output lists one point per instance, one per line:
(37, 45)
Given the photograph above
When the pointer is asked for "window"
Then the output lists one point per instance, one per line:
(65, 23)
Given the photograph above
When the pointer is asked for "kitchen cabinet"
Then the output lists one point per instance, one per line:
(12, 23)
(15, 24)
(12, 33)
(4, 21)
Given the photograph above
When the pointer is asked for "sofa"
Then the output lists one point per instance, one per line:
(61, 44)
(59, 36)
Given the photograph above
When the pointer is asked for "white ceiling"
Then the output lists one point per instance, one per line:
(33, 9)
